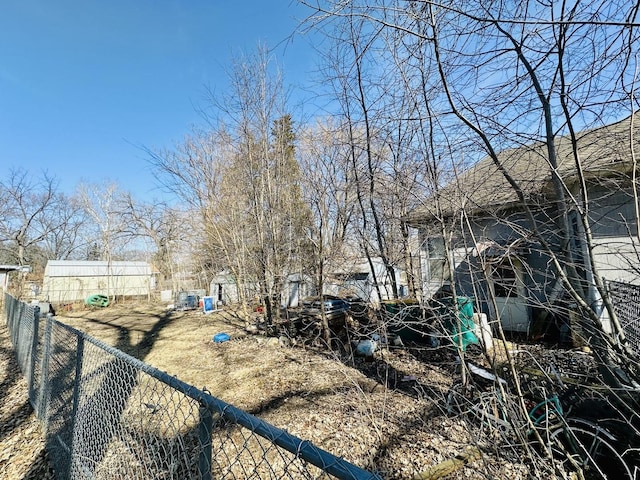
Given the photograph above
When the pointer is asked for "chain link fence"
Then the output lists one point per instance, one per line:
(107, 415)
(626, 303)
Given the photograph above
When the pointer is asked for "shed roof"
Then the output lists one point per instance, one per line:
(11, 268)
(603, 151)
(89, 268)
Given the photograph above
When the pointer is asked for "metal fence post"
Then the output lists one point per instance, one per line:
(116, 424)
(78, 374)
(34, 356)
(205, 428)
(76, 398)
(44, 374)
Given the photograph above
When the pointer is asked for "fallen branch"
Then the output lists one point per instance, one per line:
(471, 454)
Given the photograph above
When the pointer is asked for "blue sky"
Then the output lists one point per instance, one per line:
(84, 83)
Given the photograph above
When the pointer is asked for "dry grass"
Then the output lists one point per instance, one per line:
(22, 446)
(384, 413)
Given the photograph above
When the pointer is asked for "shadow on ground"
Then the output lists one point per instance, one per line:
(17, 420)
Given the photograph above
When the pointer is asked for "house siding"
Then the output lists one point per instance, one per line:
(616, 258)
(494, 215)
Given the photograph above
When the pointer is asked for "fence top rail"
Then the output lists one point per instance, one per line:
(620, 283)
(302, 448)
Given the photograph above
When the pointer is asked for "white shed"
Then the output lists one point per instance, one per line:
(354, 278)
(224, 289)
(295, 288)
(74, 280)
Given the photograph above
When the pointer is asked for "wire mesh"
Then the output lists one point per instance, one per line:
(23, 322)
(108, 415)
(626, 303)
(19, 313)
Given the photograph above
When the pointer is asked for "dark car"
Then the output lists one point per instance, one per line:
(334, 307)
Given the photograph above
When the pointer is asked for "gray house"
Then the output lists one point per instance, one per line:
(503, 253)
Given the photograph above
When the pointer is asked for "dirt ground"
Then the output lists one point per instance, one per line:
(22, 452)
(383, 413)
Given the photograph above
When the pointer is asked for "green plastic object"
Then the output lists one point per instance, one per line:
(97, 301)
(462, 332)
(405, 319)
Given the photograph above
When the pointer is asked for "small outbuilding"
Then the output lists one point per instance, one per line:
(4, 274)
(67, 281)
(224, 289)
(359, 278)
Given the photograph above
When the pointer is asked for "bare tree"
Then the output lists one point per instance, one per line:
(562, 73)
(328, 189)
(242, 178)
(518, 77)
(263, 135)
(105, 205)
(66, 225)
(163, 226)
(523, 85)
(365, 98)
(192, 171)
(29, 209)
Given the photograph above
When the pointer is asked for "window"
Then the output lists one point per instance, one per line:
(505, 279)
(435, 260)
